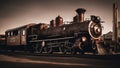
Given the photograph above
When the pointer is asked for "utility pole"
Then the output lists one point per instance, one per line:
(115, 24)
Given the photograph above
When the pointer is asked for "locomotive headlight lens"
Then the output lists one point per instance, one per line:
(97, 29)
(84, 39)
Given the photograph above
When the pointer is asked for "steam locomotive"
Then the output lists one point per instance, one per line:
(76, 36)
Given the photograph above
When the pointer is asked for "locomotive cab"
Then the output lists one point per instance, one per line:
(17, 38)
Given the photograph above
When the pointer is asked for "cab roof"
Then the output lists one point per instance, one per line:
(21, 27)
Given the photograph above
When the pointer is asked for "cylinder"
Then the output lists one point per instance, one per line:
(81, 12)
(59, 21)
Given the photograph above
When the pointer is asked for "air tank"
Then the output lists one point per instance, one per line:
(52, 24)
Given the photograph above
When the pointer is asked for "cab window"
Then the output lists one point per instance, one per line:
(23, 32)
(8, 34)
(15, 33)
(11, 33)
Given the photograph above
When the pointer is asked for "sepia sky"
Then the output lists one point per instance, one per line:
(15, 13)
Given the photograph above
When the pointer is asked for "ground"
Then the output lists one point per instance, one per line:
(30, 61)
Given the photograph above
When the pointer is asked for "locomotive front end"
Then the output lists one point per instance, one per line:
(87, 38)
(95, 28)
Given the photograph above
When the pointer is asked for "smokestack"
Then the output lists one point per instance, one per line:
(81, 12)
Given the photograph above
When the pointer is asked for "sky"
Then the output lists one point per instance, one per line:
(15, 13)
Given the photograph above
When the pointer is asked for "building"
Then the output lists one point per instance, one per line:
(108, 37)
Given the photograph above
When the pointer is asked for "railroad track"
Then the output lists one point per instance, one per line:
(40, 54)
(116, 57)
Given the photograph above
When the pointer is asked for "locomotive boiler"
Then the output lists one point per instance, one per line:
(93, 27)
(77, 36)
